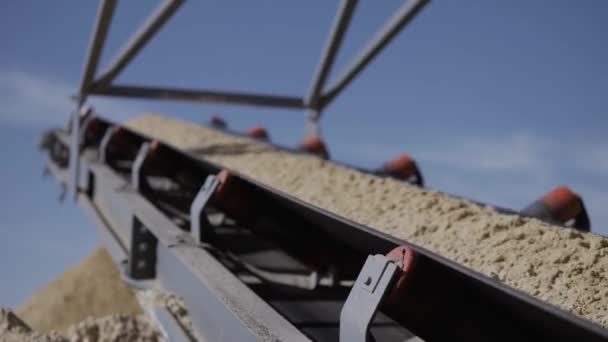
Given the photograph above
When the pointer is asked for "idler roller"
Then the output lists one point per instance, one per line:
(560, 206)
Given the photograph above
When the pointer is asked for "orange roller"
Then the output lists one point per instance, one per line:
(402, 167)
(404, 258)
(560, 206)
(258, 132)
(563, 203)
(234, 198)
(315, 145)
(155, 157)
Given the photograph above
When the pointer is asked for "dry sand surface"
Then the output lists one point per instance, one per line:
(88, 302)
(107, 329)
(91, 303)
(91, 289)
(561, 266)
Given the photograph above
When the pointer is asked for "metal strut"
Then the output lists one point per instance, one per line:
(138, 163)
(198, 205)
(314, 102)
(105, 142)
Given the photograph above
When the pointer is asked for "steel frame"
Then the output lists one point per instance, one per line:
(318, 97)
(183, 266)
(221, 307)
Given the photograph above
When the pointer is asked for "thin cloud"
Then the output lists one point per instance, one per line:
(520, 152)
(517, 153)
(30, 99)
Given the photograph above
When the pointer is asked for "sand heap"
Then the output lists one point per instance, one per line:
(91, 289)
(560, 266)
(90, 302)
(106, 329)
(13, 329)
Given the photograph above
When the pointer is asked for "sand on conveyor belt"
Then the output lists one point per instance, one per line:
(93, 289)
(560, 266)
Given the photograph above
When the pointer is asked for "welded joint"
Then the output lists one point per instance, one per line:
(105, 142)
(138, 163)
(198, 206)
(365, 298)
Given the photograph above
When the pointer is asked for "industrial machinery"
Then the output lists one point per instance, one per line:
(253, 263)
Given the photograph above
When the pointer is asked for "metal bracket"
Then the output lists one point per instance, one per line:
(366, 296)
(138, 163)
(199, 204)
(142, 254)
(103, 145)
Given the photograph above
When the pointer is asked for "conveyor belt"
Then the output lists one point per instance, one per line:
(488, 303)
(452, 302)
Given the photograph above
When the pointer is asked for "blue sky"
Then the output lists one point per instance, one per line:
(498, 101)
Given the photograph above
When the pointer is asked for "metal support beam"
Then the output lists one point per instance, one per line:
(148, 29)
(202, 96)
(382, 37)
(100, 31)
(334, 41)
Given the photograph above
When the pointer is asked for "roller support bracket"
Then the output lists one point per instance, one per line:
(197, 220)
(137, 168)
(103, 145)
(365, 298)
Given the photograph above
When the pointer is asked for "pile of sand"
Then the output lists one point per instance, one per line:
(106, 329)
(90, 302)
(561, 266)
(91, 289)
(13, 329)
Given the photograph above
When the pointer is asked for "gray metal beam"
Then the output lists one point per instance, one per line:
(382, 37)
(98, 38)
(147, 30)
(332, 45)
(202, 96)
(220, 306)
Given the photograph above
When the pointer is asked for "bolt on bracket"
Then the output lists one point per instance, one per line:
(142, 254)
(365, 298)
